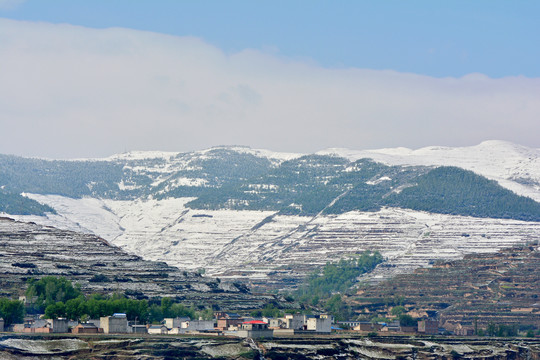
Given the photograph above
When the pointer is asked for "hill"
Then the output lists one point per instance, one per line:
(271, 218)
(500, 288)
(30, 250)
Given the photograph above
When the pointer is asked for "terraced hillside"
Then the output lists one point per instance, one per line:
(272, 250)
(500, 288)
(271, 218)
(31, 250)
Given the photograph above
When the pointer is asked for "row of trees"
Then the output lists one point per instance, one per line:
(57, 297)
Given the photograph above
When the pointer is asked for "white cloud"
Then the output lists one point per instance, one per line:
(68, 91)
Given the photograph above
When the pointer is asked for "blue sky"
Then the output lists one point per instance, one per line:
(93, 78)
(436, 38)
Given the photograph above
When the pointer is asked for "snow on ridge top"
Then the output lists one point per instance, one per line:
(488, 151)
(498, 160)
(143, 155)
(353, 155)
(269, 154)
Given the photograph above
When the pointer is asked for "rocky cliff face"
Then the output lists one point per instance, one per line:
(31, 250)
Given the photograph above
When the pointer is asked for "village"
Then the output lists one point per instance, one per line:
(234, 325)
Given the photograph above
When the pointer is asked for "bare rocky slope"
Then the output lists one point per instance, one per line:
(31, 250)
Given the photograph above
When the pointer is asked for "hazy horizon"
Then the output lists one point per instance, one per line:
(75, 84)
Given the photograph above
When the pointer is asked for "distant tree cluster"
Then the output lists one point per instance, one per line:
(326, 286)
(16, 204)
(451, 190)
(57, 297)
(311, 184)
(241, 181)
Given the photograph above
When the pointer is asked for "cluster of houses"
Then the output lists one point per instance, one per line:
(115, 324)
(231, 324)
(290, 324)
(427, 326)
(225, 324)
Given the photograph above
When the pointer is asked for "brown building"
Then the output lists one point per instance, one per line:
(225, 320)
(428, 326)
(86, 328)
(367, 326)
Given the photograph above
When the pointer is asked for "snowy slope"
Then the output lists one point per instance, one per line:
(270, 249)
(513, 166)
(267, 248)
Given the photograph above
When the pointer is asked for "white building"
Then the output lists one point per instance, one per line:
(175, 322)
(158, 329)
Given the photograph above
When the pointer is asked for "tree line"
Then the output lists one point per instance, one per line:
(57, 297)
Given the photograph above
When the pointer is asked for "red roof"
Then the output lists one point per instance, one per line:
(254, 322)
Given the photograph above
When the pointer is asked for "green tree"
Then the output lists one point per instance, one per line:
(51, 289)
(55, 311)
(166, 304)
(407, 320)
(398, 310)
(12, 311)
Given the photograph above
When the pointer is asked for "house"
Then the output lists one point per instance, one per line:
(277, 323)
(464, 330)
(226, 320)
(348, 324)
(85, 328)
(138, 329)
(158, 329)
(428, 326)
(115, 324)
(407, 329)
(255, 329)
(175, 322)
(198, 325)
(457, 328)
(391, 327)
(295, 321)
(367, 326)
(319, 324)
(59, 325)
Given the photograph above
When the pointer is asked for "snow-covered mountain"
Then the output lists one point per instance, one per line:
(513, 166)
(273, 217)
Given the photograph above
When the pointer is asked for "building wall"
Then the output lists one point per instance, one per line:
(175, 322)
(323, 325)
(430, 327)
(198, 325)
(160, 331)
(59, 325)
(82, 330)
(295, 321)
(256, 334)
(111, 324)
